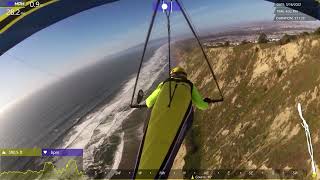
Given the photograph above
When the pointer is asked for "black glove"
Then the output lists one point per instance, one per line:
(207, 100)
(139, 106)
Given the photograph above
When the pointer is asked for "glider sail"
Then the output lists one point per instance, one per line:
(165, 130)
(23, 21)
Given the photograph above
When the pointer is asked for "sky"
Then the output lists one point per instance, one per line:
(89, 36)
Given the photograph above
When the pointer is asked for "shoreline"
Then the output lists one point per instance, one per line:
(131, 122)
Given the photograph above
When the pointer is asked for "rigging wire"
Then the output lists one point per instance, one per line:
(304, 124)
(191, 26)
(31, 66)
(186, 16)
(144, 52)
(168, 13)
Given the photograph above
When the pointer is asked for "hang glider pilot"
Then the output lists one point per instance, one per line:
(178, 73)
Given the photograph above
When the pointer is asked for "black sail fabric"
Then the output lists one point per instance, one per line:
(32, 18)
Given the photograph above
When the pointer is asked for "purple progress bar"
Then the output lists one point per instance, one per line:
(62, 152)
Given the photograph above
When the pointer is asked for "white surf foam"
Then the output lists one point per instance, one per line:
(99, 125)
(117, 157)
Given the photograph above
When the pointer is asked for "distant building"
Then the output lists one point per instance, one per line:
(274, 39)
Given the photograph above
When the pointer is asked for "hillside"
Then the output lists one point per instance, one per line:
(257, 126)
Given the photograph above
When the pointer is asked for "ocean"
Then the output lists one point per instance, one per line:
(88, 109)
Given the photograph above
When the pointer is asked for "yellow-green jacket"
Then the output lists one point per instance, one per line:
(196, 98)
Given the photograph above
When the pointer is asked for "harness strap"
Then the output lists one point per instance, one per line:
(192, 28)
(178, 81)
